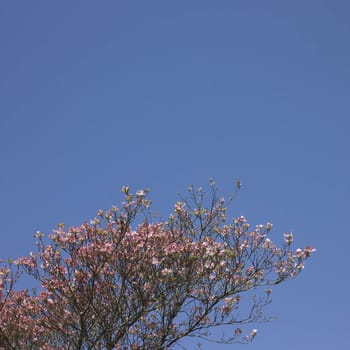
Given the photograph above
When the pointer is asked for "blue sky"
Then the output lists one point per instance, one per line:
(162, 94)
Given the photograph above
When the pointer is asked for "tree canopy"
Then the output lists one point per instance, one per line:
(129, 281)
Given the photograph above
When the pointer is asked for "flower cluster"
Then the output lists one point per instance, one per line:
(109, 285)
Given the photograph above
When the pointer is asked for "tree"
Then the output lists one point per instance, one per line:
(109, 285)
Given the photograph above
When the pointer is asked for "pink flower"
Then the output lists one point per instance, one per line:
(308, 250)
(288, 237)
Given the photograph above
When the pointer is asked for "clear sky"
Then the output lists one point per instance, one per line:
(161, 94)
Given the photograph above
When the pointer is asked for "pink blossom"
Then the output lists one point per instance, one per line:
(143, 286)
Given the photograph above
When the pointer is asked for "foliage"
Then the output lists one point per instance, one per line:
(107, 285)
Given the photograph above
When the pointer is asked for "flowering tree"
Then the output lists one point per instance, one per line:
(109, 285)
